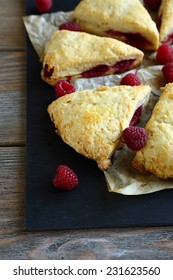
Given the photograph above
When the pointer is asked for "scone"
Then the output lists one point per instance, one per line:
(70, 55)
(127, 21)
(157, 155)
(166, 21)
(92, 121)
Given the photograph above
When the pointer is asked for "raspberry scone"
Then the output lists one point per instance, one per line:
(92, 121)
(70, 55)
(127, 21)
(166, 21)
(157, 155)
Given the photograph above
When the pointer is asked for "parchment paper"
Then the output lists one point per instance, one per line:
(121, 177)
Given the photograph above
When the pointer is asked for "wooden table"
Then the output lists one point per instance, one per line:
(15, 242)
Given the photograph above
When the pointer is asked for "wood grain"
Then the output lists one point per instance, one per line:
(110, 244)
(12, 33)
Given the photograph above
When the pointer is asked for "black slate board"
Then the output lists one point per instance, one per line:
(90, 205)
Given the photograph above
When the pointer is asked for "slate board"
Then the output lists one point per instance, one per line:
(90, 205)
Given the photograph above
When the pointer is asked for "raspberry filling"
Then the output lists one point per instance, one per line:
(136, 116)
(63, 87)
(169, 39)
(134, 39)
(70, 26)
(97, 71)
(48, 71)
(102, 69)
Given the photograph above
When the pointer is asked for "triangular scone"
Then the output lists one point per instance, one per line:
(92, 121)
(126, 20)
(157, 155)
(166, 21)
(71, 55)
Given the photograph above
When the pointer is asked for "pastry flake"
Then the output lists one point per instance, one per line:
(157, 155)
(127, 21)
(166, 21)
(92, 121)
(70, 55)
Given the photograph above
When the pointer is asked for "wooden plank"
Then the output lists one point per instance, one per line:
(12, 32)
(16, 243)
(12, 97)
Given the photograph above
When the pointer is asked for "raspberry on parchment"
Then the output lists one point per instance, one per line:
(130, 80)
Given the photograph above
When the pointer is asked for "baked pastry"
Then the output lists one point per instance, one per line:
(92, 121)
(157, 155)
(70, 55)
(166, 21)
(127, 21)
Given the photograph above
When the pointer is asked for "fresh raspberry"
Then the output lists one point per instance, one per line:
(136, 116)
(164, 54)
(152, 4)
(168, 72)
(135, 137)
(43, 5)
(65, 178)
(131, 80)
(63, 87)
(72, 26)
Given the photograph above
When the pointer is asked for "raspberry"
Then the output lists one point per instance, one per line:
(168, 72)
(135, 137)
(63, 87)
(152, 4)
(65, 178)
(136, 116)
(72, 26)
(164, 54)
(131, 80)
(43, 5)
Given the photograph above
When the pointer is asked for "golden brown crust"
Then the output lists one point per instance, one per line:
(166, 17)
(92, 121)
(128, 16)
(157, 155)
(71, 53)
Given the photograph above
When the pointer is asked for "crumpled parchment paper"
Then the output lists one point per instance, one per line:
(121, 177)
